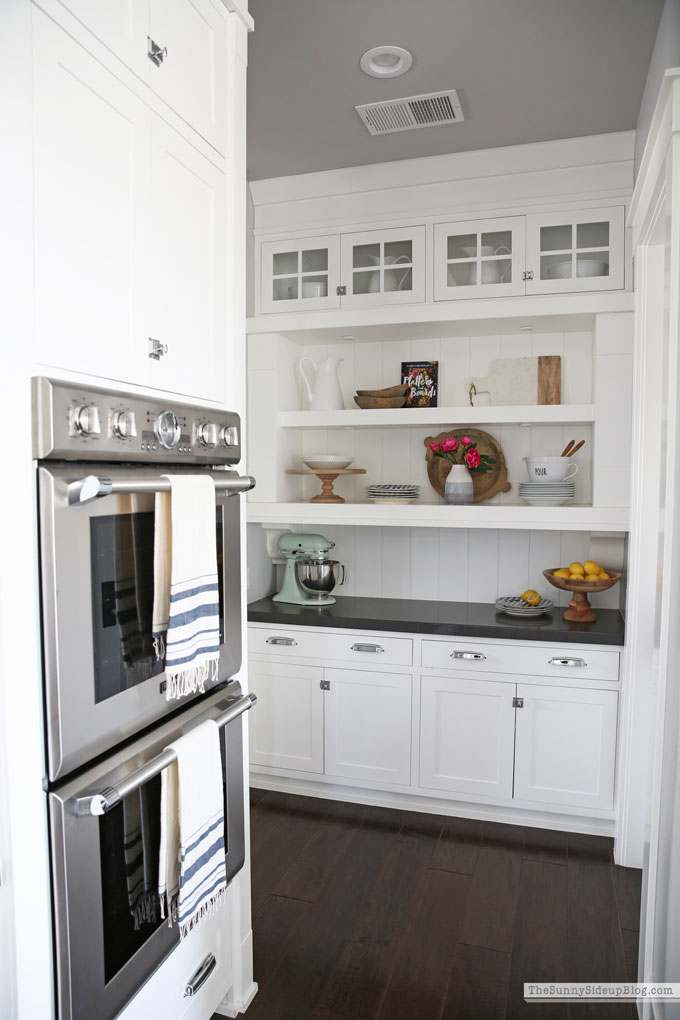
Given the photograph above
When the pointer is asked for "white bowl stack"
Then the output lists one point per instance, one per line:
(392, 492)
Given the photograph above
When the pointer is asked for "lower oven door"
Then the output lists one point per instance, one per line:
(109, 934)
(103, 682)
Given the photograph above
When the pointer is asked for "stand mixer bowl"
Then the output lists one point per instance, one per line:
(318, 578)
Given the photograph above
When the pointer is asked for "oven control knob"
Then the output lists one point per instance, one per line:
(124, 425)
(86, 420)
(167, 429)
(229, 435)
(207, 434)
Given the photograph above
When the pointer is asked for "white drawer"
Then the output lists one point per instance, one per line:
(352, 648)
(521, 660)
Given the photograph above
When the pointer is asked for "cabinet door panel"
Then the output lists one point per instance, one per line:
(383, 267)
(368, 726)
(91, 211)
(188, 267)
(300, 275)
(566, 746)
(576, 251)
(467, 736)
(192, 78)
(286, 726)
(121, 25)
(479, 258)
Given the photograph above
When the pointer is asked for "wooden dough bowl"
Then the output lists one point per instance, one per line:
(484, 485)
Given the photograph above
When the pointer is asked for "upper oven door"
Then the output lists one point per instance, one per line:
(103, 682)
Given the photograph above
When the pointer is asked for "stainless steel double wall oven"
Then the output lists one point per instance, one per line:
(102, 456)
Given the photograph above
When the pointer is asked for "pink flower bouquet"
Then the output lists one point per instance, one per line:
(463, 452)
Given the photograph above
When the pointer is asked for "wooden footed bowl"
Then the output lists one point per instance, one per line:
(389, 391)
(367, 403)
(579, 608)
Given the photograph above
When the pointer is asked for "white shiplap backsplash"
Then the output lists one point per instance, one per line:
(398, 454)
(448, 564)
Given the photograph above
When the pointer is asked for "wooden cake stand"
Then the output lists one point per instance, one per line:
(327, 478)
(579, 608)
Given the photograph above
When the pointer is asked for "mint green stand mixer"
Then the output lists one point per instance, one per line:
(309, 578)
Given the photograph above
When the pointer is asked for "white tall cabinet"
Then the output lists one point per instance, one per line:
(123, 219)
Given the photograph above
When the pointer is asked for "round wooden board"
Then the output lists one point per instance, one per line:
(484, 485)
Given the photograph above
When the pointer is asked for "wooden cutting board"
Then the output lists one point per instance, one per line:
(484, 485)
(513, 381)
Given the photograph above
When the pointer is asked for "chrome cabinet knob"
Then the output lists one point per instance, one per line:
(229, 435)
(85, 420)
(207, 434)
(124, 425)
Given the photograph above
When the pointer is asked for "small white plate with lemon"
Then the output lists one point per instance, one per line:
(529, 603)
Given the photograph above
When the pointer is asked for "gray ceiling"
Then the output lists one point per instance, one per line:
(525, 70)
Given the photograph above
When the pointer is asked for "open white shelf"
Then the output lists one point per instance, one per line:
(400, 417)
(438, 515)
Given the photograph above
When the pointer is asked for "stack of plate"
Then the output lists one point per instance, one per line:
(546, 493)
(514, 605)
(392, 493)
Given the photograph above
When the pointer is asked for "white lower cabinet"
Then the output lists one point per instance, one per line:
(566, 746)
(467, 736)
(286, 732)
(368, 726)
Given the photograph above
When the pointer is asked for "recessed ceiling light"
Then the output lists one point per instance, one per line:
(386, 61)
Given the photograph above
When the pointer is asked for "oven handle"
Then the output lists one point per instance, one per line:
(95, 486)
(100, 803)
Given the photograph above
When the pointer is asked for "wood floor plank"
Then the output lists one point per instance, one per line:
(308, 873)
(548, 845)
(628, 883)
(276, 922)
(296, 985)
(595, 940)
(458, 845)
(631, 947)
(540, 945)
(490, 915)
(425, 952)
(478, 985)
(365, 965)
(280, 827)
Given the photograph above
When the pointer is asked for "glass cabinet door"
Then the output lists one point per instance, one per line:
(383, 267)
(575, 251)
(478, 258)
(300, 275)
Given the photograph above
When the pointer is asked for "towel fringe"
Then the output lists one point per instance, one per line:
(189, 680)
(207, 909)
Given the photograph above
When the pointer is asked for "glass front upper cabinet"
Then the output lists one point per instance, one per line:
(383, 267)
(300, 275)
(575, 251)
(478, 258)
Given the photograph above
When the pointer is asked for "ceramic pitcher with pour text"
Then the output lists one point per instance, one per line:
(326, 394)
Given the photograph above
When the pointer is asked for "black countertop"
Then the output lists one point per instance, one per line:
(464, 619)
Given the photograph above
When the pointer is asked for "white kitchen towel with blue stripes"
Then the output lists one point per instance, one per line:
(186, 599)
(192, 881)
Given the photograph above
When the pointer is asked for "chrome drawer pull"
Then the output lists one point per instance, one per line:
(567, 662)
(289, 642)
(476, 656)
(367, 648)
(201, 976)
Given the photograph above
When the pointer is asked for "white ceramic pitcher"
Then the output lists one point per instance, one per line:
(326, 395)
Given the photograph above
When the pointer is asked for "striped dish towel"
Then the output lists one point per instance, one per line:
(192, 882)
(140, 832)
(186, 603)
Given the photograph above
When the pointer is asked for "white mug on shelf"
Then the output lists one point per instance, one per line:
(550, 469)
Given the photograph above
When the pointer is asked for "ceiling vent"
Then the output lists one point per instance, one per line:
(412, 112)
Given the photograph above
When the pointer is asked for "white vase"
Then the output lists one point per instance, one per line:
(458, 487)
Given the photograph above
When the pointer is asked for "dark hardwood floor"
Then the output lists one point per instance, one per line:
(366, 913)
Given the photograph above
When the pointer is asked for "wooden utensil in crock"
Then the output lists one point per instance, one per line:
(579, 608)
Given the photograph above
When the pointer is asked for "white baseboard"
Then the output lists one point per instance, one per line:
(235, 1008)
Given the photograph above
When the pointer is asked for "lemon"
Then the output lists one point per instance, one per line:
(562, 572)
(591, 567)
(576, 577)
(603, 575)
(592, 577)
(577, 568)
(531, 597)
